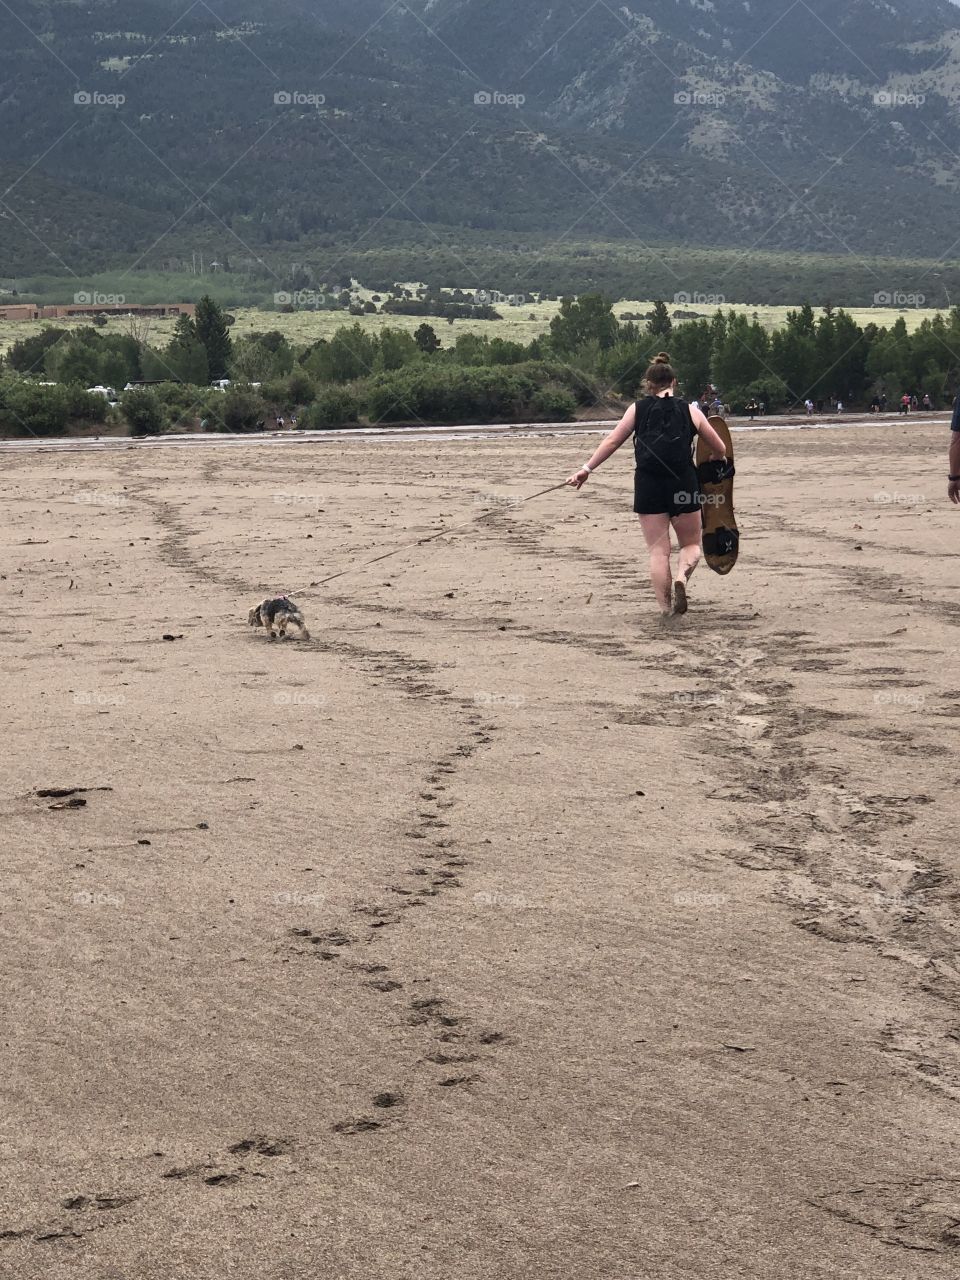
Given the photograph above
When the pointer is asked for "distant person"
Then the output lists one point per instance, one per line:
(927, 402)
(914, 403)
(761, 409)
(839, 406)
(666, 489)
(281, 421)
(752, 409)
(875, 404)
(883, 403)
(808, 405)
(953, 473)
(293, 421)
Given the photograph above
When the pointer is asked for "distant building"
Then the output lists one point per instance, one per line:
(30, 311)
(20, 311)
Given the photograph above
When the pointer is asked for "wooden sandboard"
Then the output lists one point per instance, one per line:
(721, 537)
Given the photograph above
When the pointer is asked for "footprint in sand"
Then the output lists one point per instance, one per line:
(916, 1213)
(358, 1124)
(98, 1202)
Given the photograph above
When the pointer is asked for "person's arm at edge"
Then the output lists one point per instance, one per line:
(953, 486)
(607, 446)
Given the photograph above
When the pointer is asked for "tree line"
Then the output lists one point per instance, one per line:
(825, 356)
(588, 357)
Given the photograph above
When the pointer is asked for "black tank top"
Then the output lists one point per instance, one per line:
(663, 435)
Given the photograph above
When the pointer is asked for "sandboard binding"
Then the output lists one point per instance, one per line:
(721, 537)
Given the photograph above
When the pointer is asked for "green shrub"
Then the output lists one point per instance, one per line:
(438, 392)
(333, 407)
(241, 409)
(182, 403)
(82, 406)
(553, 404)
(350, 354)
(143, 412)
(584, 386)
(297, 388)
(445, 393)
(27, 409)
(505, 352)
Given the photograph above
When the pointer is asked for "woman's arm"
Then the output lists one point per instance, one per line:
(607, 446)
(953, 486)
(703, 428)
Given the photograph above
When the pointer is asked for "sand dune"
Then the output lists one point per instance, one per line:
(492, 932)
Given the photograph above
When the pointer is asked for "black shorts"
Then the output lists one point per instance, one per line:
(661, 494)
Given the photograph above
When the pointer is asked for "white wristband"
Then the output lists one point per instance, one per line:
(587, 467)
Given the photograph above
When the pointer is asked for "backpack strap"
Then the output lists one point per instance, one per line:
(644, 408)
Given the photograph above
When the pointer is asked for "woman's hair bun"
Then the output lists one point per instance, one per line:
(661, 358)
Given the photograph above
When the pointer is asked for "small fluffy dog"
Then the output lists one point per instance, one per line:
(278, 612)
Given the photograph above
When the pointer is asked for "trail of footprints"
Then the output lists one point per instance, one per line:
(175, 550)
(436, 862)
(454, 1046)
(82, 1213)
(826, 845)
(451, 1039)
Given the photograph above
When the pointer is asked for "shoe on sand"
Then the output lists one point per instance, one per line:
(679, 597)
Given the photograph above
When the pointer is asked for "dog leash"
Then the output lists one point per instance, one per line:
(422, 542)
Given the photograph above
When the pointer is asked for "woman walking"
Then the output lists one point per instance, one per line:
(665, 483)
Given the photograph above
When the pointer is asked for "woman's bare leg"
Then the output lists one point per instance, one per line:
(656, 534)
(689, 530)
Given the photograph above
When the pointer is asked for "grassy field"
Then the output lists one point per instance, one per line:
(519, 324)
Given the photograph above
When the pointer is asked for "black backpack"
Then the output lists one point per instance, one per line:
(663, 435)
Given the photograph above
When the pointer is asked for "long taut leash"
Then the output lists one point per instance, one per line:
(422, 542)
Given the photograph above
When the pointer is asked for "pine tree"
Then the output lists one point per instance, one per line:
(186, 355)
(660, 325)
(426, 339)
(211, 328)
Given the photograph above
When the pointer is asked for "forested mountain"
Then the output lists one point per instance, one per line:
(828, 125)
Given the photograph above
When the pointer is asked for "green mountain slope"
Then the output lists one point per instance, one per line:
(829, 127)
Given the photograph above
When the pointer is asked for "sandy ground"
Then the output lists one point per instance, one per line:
(499, 931)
